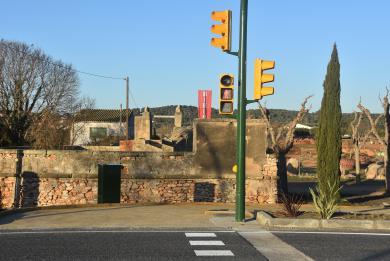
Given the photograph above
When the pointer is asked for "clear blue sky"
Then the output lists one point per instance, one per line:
(164, 46)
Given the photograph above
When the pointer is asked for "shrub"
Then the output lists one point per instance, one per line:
(326, 202)
(291, 204)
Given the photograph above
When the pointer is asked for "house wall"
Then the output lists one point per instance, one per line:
(80, 133)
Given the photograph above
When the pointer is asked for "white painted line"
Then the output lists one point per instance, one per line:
(201, 235)
(213, 253)
(97, 231)
(273, 248)
(206, 243)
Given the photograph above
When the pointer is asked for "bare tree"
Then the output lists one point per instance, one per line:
(283, 140)
(384, 141)
(77, 121)
(356, 136)
(32, 86)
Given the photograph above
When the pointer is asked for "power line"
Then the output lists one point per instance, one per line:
(63, 66)
(82, 72)
(98, 75)
(132, 97)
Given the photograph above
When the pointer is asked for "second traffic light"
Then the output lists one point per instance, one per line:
(261, 78)
(223, 29)
(226, 92)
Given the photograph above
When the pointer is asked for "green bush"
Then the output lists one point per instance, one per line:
(326, 201)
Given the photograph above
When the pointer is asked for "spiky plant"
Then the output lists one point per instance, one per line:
(326, 200)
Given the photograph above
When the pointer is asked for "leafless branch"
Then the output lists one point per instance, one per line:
(32, 86)
(283, 143)
(373, 123)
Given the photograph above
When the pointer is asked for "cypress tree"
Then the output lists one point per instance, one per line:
(329, 132)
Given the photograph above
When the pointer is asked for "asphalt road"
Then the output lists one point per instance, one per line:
(125, 245)
(339, 246)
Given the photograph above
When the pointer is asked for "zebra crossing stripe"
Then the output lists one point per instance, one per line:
(213, 253)
(201, 235)
(206, 243)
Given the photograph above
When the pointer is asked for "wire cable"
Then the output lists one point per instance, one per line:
(82, 72)
(132, 98)
(61, 65)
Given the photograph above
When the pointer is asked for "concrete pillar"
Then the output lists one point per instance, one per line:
(143, 125)
(178, 117)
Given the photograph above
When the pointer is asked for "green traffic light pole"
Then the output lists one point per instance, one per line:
(241, 119)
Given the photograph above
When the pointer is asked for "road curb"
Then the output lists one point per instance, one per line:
(266, 220)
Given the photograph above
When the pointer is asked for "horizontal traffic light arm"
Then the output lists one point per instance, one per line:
(232, 53)
(247, 102)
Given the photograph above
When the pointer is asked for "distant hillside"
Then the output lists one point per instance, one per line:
(278, 116)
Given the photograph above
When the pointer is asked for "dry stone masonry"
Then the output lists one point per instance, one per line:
(205, 175)
(162, 178)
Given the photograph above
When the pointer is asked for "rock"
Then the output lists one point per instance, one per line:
(349, 176)
(292, 166)
(375, 171)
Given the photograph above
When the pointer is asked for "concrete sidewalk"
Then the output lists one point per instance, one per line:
(114, 216)
(191, 215)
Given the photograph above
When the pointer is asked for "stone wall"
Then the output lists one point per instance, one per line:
(70, 177)
(7, 191)
(65, 191)
(150, 186)
(215, 146)
(76, 164)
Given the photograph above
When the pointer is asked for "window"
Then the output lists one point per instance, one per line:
(97, 133)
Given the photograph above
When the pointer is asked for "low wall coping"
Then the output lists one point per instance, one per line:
(268, 221)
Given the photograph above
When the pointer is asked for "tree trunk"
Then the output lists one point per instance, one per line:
(357, 162)
(282, 173)
(387, 168)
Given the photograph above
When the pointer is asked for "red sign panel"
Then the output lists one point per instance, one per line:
(204, 104)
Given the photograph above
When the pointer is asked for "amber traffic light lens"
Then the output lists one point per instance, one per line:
(226, 80)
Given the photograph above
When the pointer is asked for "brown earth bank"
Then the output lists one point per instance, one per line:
(302, 158)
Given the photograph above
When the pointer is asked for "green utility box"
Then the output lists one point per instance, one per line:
(109, 183)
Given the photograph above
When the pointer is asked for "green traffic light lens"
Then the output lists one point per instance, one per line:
(226, 80)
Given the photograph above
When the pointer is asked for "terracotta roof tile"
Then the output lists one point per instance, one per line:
(101, 115)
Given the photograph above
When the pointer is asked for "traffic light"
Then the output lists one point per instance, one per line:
(223, 29)
(261, 78)
(226, 87)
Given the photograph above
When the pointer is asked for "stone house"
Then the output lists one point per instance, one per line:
(94, 125)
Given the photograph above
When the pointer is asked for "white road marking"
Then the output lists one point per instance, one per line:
(213, 253)
(272, 247)
(206, 243)
(99, 231)
(201, 235)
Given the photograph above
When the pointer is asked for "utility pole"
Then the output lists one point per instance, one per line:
(241, 120)
(120, 120)
(127, 107)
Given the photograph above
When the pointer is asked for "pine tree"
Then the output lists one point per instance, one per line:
(329, 132)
